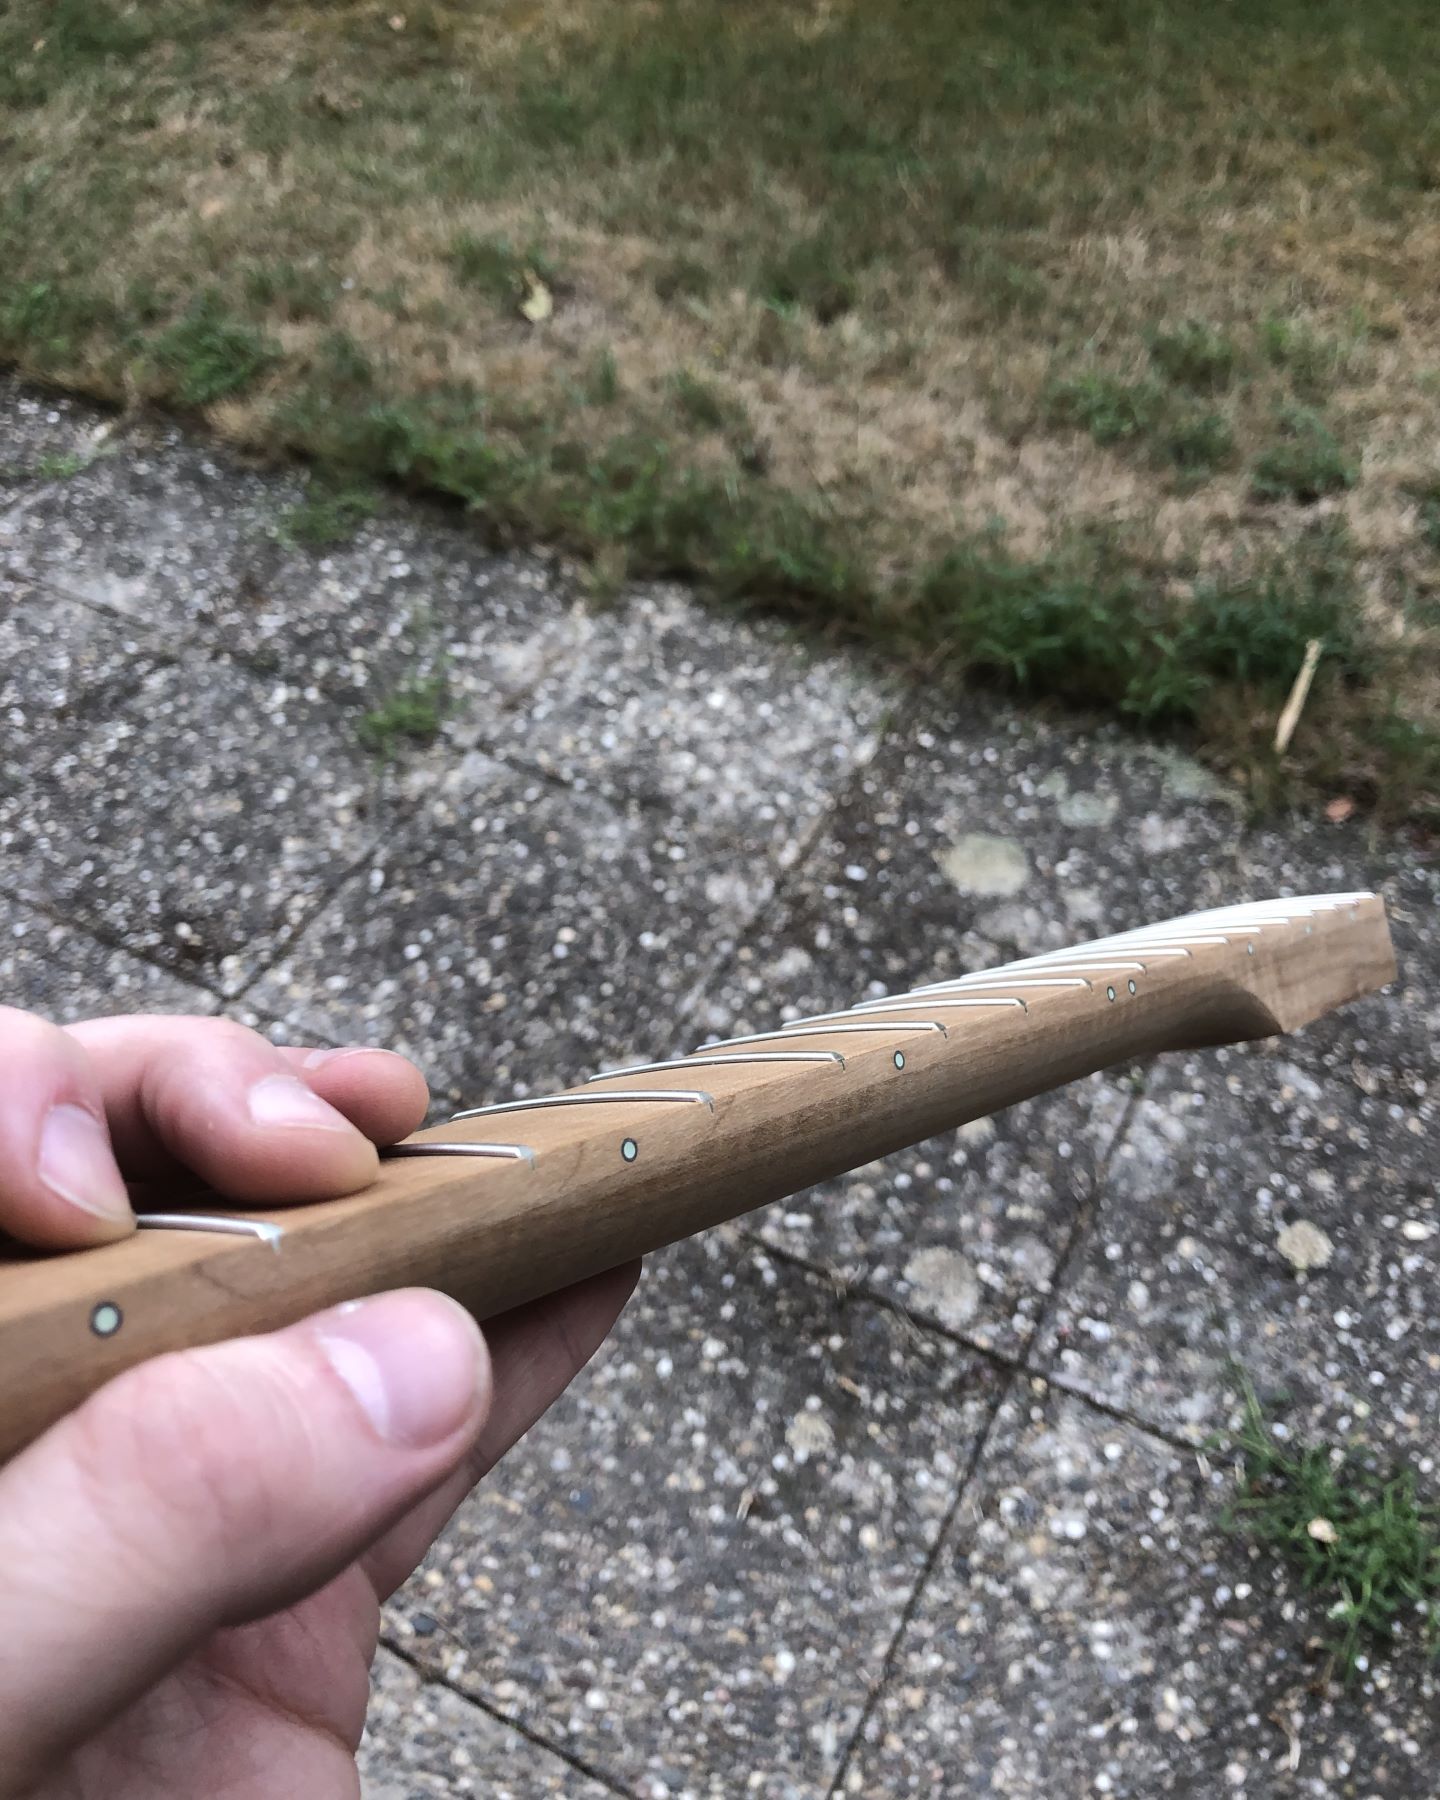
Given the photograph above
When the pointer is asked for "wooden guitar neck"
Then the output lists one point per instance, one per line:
(509, 1202)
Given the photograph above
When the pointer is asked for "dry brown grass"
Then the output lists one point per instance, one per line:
(881, 236)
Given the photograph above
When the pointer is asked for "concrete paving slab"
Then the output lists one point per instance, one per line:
(513, 937)
(413, 597)
(741, 1495)
(202, 817)
(728, 725)
(163, 528)
(45, 437)
(423, 1738)
(64, 974)
(60, 661)
(1090, 1630)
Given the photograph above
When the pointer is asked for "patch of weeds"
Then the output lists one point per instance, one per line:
(60, 466)
(1067, 625)
(1310, 359)
(1193, 355)
(602, 382)
(208, 354)
(413, 714)
(495, 267)
(810, 275)
(1360, 1538)
(1251, 630)
(682, 278)
(1111, 410)
(51, 321)
(89, 30)
(329, 514)
(968, 257)
(1306, 463)
(1084, 626)
(703, 404)
(291, 290)
(1198, 442)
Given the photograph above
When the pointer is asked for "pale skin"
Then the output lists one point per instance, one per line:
(194, 1561)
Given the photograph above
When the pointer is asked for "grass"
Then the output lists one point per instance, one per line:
(968, 288)
(1305, 463)
(413, 714)
(1361, 1539)
(329, 514)
(1085, 626)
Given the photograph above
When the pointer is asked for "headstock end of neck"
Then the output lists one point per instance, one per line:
(1287, 963)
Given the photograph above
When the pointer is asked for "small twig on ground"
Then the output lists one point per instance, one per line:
(1290, 716)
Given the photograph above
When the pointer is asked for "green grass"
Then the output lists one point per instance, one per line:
(1086, 626)
(1305, 463)
(1361, 1539)
(1144, 415)
(207, 354)
(1194, 355)
(413, 714)
(833, 289)
(1112, 410)
(329, 514)
(494, 267)
(60, 465)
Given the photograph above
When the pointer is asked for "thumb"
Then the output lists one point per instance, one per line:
(208, 1488)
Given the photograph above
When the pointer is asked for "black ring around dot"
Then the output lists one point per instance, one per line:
(1132, 984)
(899, 1059)
(1109, 993)
(629, 1149)
(106, 1319)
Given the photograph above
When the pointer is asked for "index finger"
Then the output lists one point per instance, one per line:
(258, 1124)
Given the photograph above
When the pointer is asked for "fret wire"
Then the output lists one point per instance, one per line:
(510, 1152)
(703, 1062)
(782, 1032)
(930, 1005)
(988, 981)
(222, 1225)
(641, 1095)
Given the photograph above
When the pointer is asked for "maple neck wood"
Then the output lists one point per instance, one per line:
(507, 1203)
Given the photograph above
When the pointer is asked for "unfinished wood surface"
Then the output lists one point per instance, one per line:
(628, 1163)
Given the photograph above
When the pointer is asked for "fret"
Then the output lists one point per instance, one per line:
(703, 1062)
(502, 1152)
(930, 1006)
(769, 1037)
(628, 1097)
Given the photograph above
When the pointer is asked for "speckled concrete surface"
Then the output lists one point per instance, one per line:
(892, 1489)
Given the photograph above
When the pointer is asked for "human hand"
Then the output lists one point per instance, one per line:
(194, 1561)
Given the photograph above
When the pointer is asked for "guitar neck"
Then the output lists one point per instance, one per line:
(506, 1203)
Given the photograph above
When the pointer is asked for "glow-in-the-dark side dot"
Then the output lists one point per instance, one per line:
(899, 1059)
(1132, 986)
(629, 1149)
(106, 1319)
(1109, 993)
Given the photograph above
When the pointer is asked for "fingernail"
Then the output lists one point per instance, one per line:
(282, 1100)
(318, 1058)
(415, 1362)
(76, 1163)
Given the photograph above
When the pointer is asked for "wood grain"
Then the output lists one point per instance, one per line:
(496, 1233)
